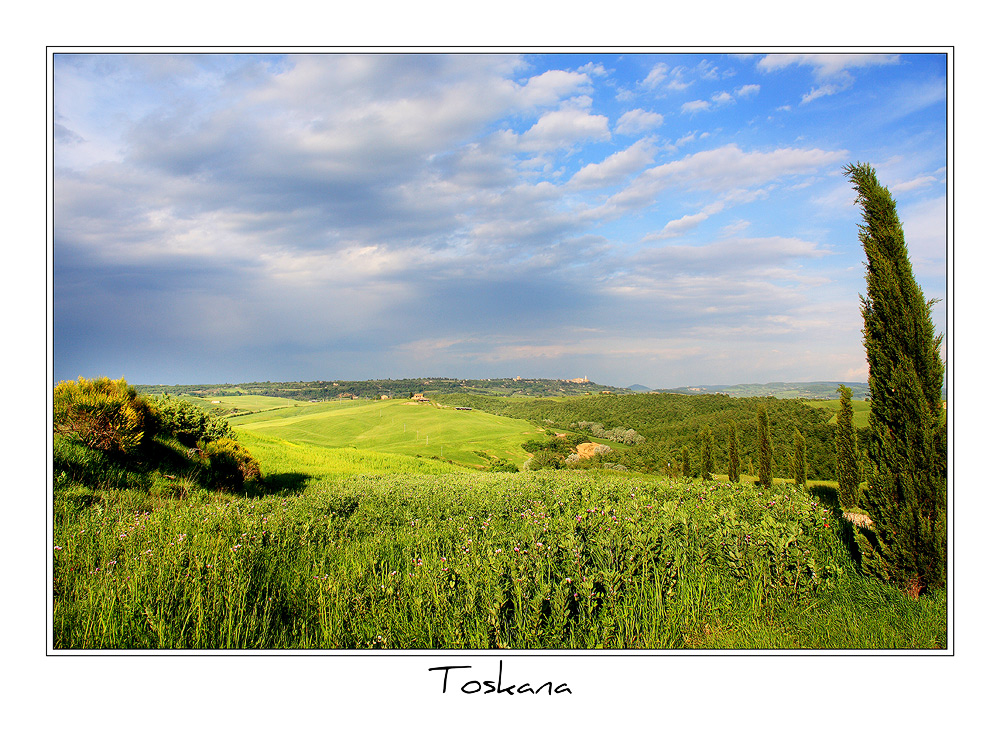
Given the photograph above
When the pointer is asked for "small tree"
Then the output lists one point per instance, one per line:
(799, 460)
(907, 495)
(848, 478)
(764, 446)
(685, 463)
(734, 455)
(707, 461)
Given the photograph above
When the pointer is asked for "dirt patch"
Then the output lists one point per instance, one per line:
(861, 520)
(590, 449)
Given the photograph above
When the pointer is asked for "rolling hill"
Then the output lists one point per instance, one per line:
(402, 427)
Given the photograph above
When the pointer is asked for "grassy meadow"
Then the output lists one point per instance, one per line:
(356, 537)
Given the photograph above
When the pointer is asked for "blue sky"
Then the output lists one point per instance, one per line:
(664, 219)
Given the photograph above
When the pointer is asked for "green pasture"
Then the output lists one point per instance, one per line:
(287, 464)
(861, 408)
(249, 403)
(399, 427)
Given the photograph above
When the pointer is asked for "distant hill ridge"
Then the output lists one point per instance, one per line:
(784, 390)
(509, 386)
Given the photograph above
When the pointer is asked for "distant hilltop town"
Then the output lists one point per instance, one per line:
(578, 380)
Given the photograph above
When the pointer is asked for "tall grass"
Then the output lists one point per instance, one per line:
(469, 561)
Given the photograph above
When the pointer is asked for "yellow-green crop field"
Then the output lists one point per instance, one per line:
(396, 427)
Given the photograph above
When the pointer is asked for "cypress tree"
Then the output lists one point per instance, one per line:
(848, 478)
(707, 463)
(907, 495)
(764, 446)
(799, 460)
(734, 455)
(685, 463)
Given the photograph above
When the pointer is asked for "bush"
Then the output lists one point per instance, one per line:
(104, 414)
(189, 423)
(501, 465)
(230, 465)
(546, 460)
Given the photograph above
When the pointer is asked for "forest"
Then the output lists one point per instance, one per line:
(668, 422)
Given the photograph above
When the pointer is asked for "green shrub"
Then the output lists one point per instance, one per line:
(501, 465)
(189, 423)
(546, 460)
(230, 465)
(104, 414)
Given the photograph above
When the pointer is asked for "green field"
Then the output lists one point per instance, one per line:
(861, 408)
(244, 403)
(397, 427)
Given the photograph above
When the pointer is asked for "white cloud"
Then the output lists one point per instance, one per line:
(691, 107)
(748, 90)
(913, 184)
(662, 76)
(826, 90)
(707, 70)
(614, 167)
(689, 138)
(826, 65)
(735, 227)
(719, 99)
(736, 175)
(638, 120)
(679, 226)
(729, 167)
(564, 129)
(832, 71)
(594, 69)
(553, 85)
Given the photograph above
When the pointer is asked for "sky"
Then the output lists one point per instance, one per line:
(636, 218)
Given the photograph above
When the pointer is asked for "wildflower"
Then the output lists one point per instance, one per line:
(57, 548)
